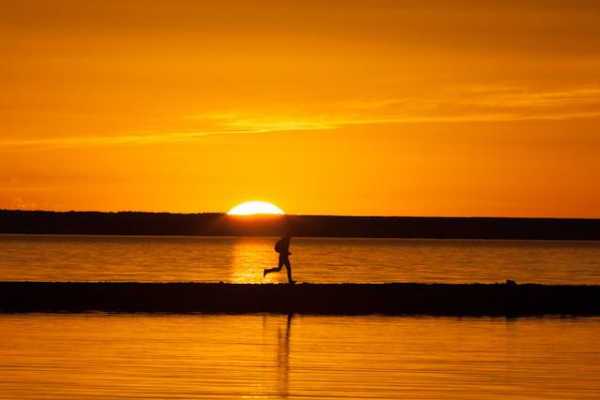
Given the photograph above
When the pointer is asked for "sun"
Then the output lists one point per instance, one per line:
(255, 207)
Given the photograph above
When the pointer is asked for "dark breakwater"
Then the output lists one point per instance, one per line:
(214, 224)
(340, 299)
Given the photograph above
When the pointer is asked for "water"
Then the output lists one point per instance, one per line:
(168, 259)
(194, 356)
(96, 356)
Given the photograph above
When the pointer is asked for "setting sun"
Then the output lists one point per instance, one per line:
(255, 207)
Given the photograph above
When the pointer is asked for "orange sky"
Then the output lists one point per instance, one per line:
(487, 108)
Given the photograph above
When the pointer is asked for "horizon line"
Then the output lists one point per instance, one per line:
(224, 213)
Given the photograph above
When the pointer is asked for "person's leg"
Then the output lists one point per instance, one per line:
(276, 269)
(288, 266)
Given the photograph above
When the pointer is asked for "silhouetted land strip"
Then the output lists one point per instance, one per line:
(340, 299)
(134, 223)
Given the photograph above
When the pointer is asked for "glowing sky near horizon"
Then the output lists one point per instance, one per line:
(322, 107)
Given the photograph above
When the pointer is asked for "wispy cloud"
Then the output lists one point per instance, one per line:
(473, 104)
(476, 104)
(141, 138)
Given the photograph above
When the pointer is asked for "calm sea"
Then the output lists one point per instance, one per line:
(168, 259)
(194, 356)
(96, 356)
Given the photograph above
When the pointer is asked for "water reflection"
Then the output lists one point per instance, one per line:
(80, 357)
(317, 260)
(283, 356)
(249, 258)
(276, 341)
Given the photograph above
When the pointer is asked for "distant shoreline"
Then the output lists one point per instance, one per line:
(215, 224)
(507, 299)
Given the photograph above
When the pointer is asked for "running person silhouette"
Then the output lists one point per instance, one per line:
(283, 248)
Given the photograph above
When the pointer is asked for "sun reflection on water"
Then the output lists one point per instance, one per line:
(250, 257)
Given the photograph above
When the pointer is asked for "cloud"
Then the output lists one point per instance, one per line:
(146, 137)
(471, 104)
(21, 203)
(477, 104)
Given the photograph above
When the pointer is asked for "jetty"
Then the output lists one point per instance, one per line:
(502, 299)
